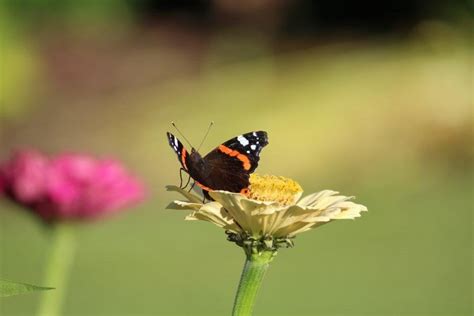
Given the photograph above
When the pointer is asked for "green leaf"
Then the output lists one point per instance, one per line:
(8, 288)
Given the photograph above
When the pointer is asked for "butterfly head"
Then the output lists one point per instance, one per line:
(196, 157)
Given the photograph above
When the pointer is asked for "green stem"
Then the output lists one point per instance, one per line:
(57, 269)
(252, 276)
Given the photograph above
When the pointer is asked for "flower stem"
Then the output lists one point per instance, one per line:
(57, 269)
(252, 276)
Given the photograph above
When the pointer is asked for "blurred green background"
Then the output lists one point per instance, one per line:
(370, 99)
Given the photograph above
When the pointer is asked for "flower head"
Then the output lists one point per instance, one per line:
(68, 186)
(270, 214)
(24, 176)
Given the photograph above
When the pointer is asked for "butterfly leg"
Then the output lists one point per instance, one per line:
(192, 186)
(206, 196)
(187, 182)
(181, 178)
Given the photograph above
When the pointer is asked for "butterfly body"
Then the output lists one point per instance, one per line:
(227, 167)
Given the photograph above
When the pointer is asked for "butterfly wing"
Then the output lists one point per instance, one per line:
(249, 145)
(230, 164)
(179, 149)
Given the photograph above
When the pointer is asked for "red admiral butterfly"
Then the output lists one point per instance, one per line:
(227, 167)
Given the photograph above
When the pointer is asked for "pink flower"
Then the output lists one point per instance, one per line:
(69, 186)
(24, 176)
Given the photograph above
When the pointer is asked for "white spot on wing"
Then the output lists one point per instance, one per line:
(242, 140)
(254, 134)
(176, 142)
(253, 146)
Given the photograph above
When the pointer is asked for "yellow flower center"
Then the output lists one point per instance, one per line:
(274, 189)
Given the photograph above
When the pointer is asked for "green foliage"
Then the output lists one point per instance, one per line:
(8, 288)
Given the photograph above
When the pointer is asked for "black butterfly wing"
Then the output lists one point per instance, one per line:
(230, 164)
(250, 145)
(179, 149)
(225, 173)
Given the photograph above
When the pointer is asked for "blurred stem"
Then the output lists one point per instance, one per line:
(252, 276)
(58, 267)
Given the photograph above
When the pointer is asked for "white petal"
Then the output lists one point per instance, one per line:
(351, 211)
(186, 194)
(255, 217)
(330, 201)
(214, 213)
(309, 200)
(181, 205)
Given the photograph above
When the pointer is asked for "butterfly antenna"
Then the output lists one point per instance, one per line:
(184, 137)
(205, 136)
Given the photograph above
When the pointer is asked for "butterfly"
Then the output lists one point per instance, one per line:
(227, 167)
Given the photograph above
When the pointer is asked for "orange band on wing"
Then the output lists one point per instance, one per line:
(245, 191)
(245, 161)
(202, 186)
(183, 158)
(234, 153)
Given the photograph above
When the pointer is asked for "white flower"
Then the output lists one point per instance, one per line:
(271, 213)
